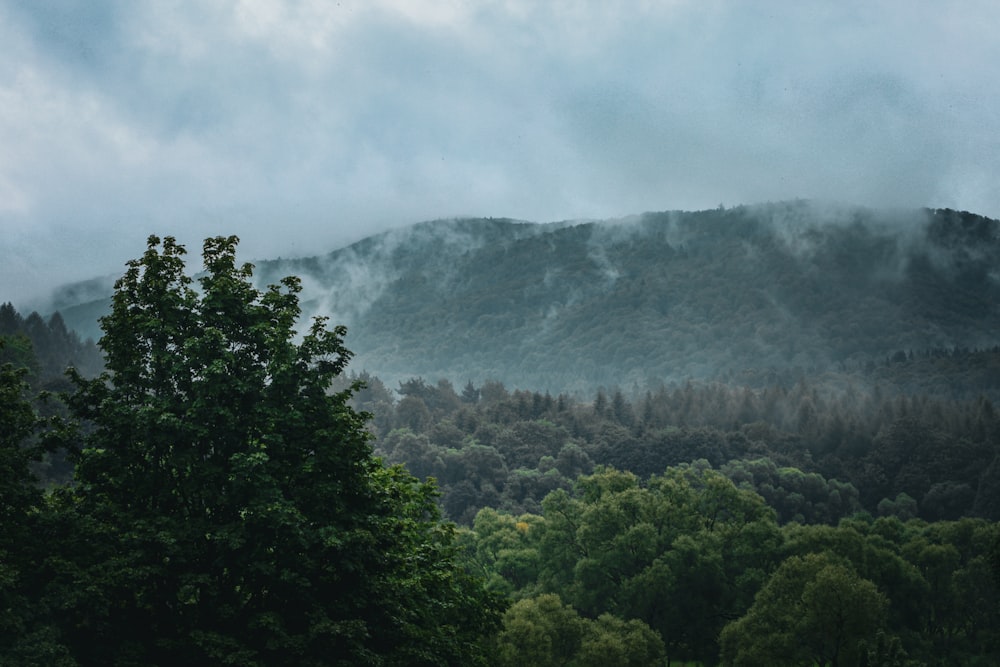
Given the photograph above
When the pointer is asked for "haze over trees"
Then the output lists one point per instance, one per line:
(810, 479)
(45, 346)
(660, 297)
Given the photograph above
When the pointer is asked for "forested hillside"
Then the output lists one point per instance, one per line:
(654, 298)
(234, 494)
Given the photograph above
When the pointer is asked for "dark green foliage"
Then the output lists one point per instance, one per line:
(795, 495)
(237, 514)
(589, 545)
(813, 610)
(911, 456)
(702, 564)
(818, 451)
(17, 350)
(18, 422)
(44, 350)
(665, 554)
(543, 631)
(46, 347)
(28, 637)
(18, 499)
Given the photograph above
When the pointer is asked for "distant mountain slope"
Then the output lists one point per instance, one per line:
(660, 296)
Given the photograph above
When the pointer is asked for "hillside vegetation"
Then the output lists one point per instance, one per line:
(654, 298)
(777, 443)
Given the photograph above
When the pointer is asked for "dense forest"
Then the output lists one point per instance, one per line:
(572, 508)
(244, 498)
(897, 439)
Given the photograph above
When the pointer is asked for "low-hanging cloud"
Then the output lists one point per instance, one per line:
(303, 126)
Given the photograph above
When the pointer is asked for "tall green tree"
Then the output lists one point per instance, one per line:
(239, 513)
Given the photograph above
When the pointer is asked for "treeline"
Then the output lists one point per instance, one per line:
(818, 451)
(687, 567)
(46, 347)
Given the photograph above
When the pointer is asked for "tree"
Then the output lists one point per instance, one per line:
(18, 351)
(612, 642)
(540, 631)
(813, 610)
(11, 321)
(240, 514)
(544, 631)
(504, 549)
(470, 394)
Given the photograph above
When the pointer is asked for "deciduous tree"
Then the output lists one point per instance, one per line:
(248, 520)
(813, 610)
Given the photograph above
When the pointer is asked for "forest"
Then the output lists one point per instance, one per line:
(212, 485)
(662, 507)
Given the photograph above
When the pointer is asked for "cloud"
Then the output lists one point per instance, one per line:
(304, 125)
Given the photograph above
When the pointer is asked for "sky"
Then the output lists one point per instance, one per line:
(304, 125)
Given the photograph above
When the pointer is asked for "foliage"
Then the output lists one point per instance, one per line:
(503, 550)
(795, 495)
(700, 561)
(818, 451)
(543, 631)
(45, 346)
(238, 514)
(677, 555)
(27, 637)
(813, 610)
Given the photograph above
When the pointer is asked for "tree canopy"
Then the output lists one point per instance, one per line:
(234, 507)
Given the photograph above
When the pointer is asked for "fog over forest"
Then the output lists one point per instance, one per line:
(491, 334)
(798, 286)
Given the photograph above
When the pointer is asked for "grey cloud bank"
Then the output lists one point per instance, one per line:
(301, 126)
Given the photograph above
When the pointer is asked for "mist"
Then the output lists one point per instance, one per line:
(305, 127)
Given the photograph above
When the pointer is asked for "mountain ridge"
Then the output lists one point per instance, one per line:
(655, 297)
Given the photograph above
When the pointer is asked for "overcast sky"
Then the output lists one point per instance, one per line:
(304, 125)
